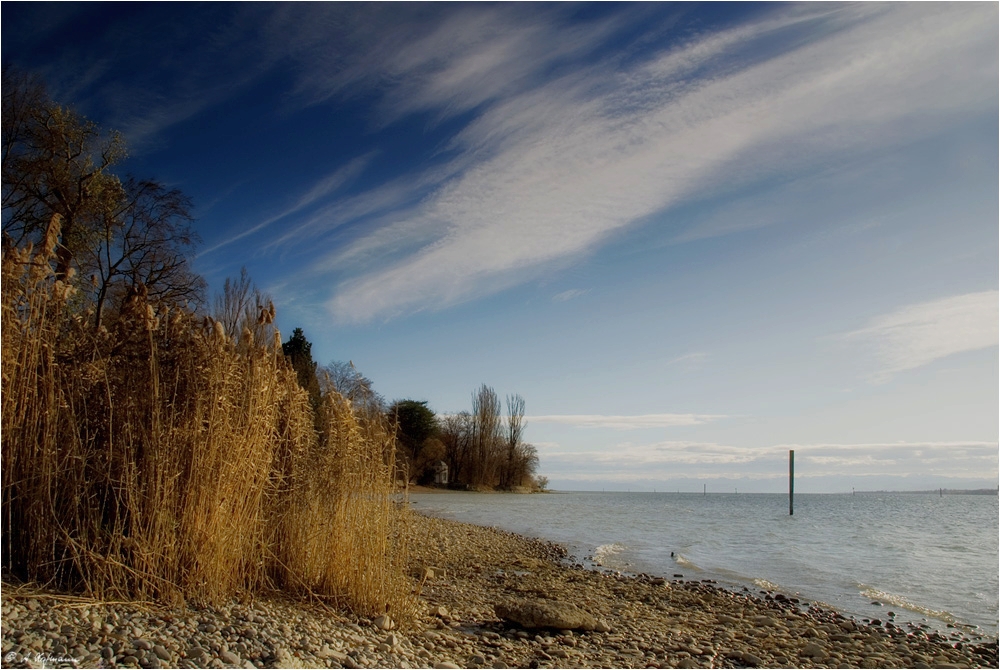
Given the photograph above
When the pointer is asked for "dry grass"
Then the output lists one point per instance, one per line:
(160, 460)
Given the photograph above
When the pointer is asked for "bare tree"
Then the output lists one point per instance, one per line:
(242, 308)
(346, 380)
(128, 239)
(235, 305)
(510, 474)
(145, 241)
(55, 162)
(525, 463)
(486, 437)
(23, 95)
(485, 449)
(456, 434)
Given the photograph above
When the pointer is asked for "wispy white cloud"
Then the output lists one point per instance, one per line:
(557, 166)
(146, 72)
(692, 459)
(919, 334)
(867, 446)
(443, 62)
(323, 188)
(331, 183)
(387, 212)
(691, 359)
(571, 137)
(626, 422)
(570, 294)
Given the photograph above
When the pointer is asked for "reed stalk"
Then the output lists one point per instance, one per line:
(158, 459)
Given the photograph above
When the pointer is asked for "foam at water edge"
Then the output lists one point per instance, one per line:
(900, 601)
(766, 585)
(607, 551)
(680, 560)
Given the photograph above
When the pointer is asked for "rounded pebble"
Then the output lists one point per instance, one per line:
(640, 622)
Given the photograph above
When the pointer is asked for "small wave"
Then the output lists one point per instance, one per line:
(766, 585)
(900, 601)
(607, 551)
(680, 560)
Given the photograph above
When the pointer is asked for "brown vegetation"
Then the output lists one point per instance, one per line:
(485, 450)
(159, 458)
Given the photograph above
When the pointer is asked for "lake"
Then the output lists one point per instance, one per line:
(925, 557)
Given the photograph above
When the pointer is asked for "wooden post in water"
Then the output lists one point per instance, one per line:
(791, 481)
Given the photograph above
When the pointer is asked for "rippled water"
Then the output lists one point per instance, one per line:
(925, 557)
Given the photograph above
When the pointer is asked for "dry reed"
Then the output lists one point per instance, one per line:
(160, 460)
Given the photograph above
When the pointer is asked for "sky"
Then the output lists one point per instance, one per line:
(692, 236)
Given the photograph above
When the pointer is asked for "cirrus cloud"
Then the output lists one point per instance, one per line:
(672, 459)
(626, 422)
(552, 168)
(916, 335)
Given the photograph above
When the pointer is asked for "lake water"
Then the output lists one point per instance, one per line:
(925, 557)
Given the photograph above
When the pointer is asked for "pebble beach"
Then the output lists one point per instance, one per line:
(489, 599)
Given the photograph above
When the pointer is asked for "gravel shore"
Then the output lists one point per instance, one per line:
(465, 575)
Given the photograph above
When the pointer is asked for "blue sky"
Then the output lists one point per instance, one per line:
(692, 236)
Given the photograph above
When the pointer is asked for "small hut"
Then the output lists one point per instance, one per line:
(441, 474)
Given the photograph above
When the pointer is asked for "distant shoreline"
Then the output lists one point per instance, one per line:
(436, 489)
(949, 492)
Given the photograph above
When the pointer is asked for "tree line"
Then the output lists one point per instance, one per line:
(484, 449)
(123, 239)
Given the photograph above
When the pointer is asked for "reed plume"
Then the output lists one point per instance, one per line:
(160, 459)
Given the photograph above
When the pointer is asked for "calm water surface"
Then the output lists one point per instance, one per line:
(923, 556)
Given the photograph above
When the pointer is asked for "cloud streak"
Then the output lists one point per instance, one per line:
(692, 459)
(322, 189)
(446, 63)
(917, 335)
(555, 167)
(571, 294)
(626, 422)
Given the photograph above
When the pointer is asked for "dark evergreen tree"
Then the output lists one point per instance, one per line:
(416, 424)
(299, 351)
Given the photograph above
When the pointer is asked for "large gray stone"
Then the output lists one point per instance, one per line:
(230, 658)
(814, 650)
(546, 614)
(196, 653)
(326, 652)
